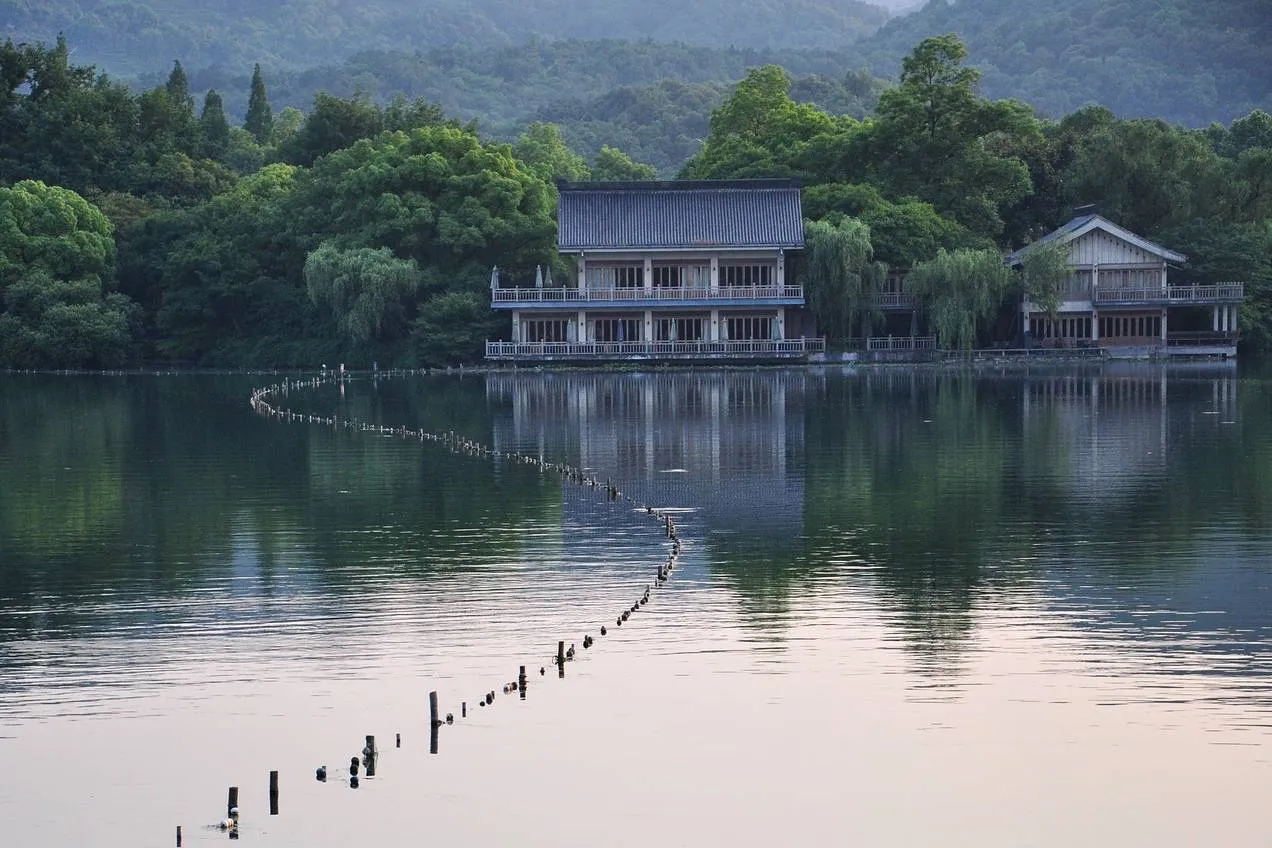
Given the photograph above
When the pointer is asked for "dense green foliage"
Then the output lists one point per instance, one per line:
(1187, 61)
(57, 258)
(651, 100)
(138, 36)
(362, 232)
(841, 275)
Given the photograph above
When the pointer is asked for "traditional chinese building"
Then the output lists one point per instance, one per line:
(684, 270)
(1119, 297)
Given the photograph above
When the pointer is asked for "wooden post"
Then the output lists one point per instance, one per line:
(561, 652)
(178, 836)
(432, 739)
(432, 709)
(463, 709)
(398, 741)
(231, 803)
(273, 793)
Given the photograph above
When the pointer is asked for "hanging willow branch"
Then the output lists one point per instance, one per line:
(842, 279)
(1044, 270)
(366, 289)
(960, 290)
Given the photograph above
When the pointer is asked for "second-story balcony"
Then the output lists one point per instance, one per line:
(657, 296)
(1200, 295)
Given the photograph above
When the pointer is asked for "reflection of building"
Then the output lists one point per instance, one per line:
(1119, 297)
(1110, 430)
(667, 270)
(719, 443)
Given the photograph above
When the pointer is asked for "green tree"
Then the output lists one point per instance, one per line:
(545, 151)
(214, 129)
(841, 278)
(333, 124)
(260, 117)
(366, 289)
(960, 290)
(759, 131)
(56, 263)
(452, 327)
(613, 164)
(178, 88)
(902, 233)
(1146, 175)
(934, 138)
(1044, 269)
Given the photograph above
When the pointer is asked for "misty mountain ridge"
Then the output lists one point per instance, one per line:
(127, 38)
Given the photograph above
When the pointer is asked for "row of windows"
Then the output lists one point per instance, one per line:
(677, 276)
(1061, 328)
(748, 328)
(665, 329)
(1133, 326)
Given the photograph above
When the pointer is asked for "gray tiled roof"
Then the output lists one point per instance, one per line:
(1080, 224)
(680, 215)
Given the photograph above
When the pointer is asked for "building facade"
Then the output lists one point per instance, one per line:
(1119, 297)
(678, 270)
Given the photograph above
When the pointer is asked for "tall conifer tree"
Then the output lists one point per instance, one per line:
(178, 87)
(260, 118)
(213, 126)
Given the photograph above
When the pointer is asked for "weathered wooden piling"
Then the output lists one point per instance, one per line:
(432, 710)
(560, 652)
(397, 741)
(231, 802)
(463, 709)
(432, 739)
(273, 793)
(178, 836)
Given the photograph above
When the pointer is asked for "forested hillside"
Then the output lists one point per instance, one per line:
(132, 37)
(1187, 61)
(652, 100)
(145, 225)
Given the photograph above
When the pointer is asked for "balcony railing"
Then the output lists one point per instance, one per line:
(1201, 338)
(633, 295)
(752, 349)
(901, 343)
(1214, 293)
(894, 300)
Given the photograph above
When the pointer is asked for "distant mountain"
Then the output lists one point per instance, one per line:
(125, 37)
(1189, 61)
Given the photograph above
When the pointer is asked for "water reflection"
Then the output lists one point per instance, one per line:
(918, 578)
(941, 494)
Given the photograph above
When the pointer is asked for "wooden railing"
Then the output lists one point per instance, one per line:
(644, 350)
(894, 300)
(633, 295)
(1201, 338)
(901, 343)
(1229, 292)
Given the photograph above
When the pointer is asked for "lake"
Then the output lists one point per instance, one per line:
(914, 606)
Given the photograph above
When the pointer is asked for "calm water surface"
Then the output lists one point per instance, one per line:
(914, 608)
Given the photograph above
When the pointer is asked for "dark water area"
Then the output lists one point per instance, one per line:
(914, 606)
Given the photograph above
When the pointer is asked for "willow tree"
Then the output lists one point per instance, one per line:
(1043, 272)
(842, 276)
(960, 290)
(368, 291)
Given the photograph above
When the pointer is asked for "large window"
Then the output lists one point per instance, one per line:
(1130, 326)
(549, 330)
(741, 329)
(1063, 327)
(616, 330)
(681, 276)
(678, 329)
(615, 276)
(746, 275)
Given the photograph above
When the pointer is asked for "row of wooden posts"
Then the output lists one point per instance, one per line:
(260, 402)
